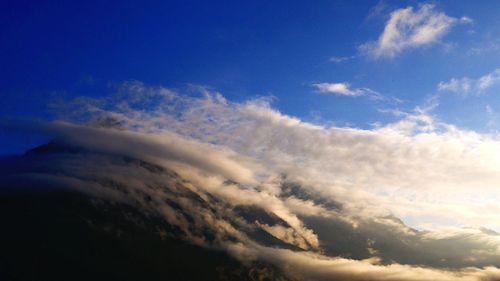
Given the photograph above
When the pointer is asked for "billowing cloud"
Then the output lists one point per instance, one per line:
(409, 28)
(468, 85)
(344, 89)
(322, 203)
(386, 164)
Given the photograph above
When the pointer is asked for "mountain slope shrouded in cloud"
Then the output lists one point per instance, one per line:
(61, 235)
(157, 183)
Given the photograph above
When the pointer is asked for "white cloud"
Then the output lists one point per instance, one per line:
(344, 89)
(408, 28)
(468, 85)
(337, 88)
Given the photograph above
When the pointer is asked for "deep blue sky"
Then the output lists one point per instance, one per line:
(53, 49)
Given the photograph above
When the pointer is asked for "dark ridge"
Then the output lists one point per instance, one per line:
(54, 146)
(294, 189)
(70, 236)
(252, 214)
(58, 146)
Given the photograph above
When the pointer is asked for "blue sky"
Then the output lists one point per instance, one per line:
(284, 49)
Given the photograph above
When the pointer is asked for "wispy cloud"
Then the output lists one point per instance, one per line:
(345, 89)
(485, 48)
(466, 85)
(336, 59)
(409, 28)
(466, 20)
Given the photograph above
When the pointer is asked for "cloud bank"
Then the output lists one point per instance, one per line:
(322, 203)
(394, 161)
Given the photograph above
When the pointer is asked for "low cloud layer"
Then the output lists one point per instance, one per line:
(418, 166)
(322, 203)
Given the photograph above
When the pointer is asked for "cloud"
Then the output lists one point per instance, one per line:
(416, 167)
(337, 88)
(200, 202)
(344, 89)
(378, 10)
(408, 28)
(466, 20)
(322, 203)
(468, 85)
(463, 85)
(317, 267)
(416, 151)
(484, 48)
(341, 59)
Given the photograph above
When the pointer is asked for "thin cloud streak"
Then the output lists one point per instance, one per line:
(344, 89)
(336, 59)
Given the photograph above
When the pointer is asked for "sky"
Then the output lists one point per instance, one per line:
(388, 109)
(289, 51)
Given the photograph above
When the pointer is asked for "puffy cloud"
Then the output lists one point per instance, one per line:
(468, 85)
(344, 89)
(408, 28)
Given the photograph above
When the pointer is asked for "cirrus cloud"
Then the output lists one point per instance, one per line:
(466, 85)
(411, 28)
